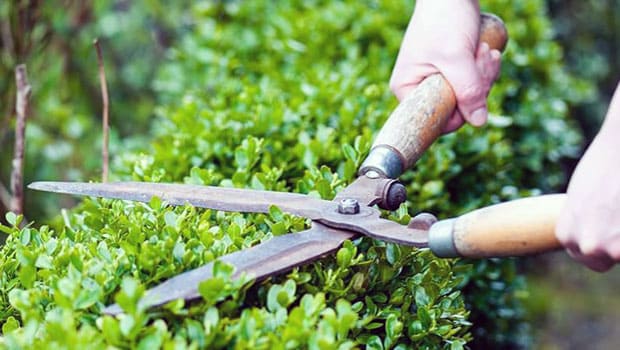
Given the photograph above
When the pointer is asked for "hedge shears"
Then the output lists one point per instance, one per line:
(519, 227)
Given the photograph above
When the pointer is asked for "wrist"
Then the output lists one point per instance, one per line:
(447, 6)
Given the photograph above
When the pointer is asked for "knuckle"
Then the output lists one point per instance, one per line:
(470, 93)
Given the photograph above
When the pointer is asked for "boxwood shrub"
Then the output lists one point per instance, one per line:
(287, 96)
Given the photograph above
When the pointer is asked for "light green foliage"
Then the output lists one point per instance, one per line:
(287, 96)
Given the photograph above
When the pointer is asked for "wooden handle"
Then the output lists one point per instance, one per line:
(520, 227)
(421, 116)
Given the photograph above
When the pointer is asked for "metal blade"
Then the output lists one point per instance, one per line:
(279, 254)
(218, 198)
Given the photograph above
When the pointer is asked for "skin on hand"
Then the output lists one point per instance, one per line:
(442, 37)
(589, 224)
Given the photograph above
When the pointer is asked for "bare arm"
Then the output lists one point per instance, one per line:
(589, 226)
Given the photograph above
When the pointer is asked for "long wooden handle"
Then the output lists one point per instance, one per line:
(520, 227)
(421, 116)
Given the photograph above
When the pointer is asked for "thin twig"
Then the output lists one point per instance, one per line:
(8, 53)
(22, 107)
(5, 198)
(104, 96)
(7, 38)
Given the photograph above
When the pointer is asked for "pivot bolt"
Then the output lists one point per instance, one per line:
(396, 195)
(348, 206)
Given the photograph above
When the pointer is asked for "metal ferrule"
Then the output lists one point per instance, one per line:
(384, 160)
(441, 239)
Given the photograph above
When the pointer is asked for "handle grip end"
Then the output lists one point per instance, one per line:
(441, 239)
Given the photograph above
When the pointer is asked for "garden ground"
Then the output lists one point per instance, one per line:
(574, 308)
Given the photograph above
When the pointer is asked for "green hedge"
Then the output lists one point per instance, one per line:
(287, 96)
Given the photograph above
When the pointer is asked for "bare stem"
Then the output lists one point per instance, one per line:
(5, 198)
(106, 129)
(22, 107)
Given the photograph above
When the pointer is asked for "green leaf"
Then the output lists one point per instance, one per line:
(44, 262)
(374, 343)
(150, 341)
(111, 329)
(273, 302)
(178, 251)
(171, 219)
(25, 236)
(421, 298)
(393, 327)
(210, 320)
(457, 345)
(344, 256)
(126, 325)
(10, 325)
(86, 299)
(424, 317)
(349, 152)
(392, 253)
(12, 219)
(275, 213)
(195, 332)
(222, 269)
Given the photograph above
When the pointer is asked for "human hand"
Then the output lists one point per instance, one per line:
(589, 224)
(442, 37)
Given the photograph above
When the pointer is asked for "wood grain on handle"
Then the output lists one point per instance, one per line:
(420, 117)
(519, 227)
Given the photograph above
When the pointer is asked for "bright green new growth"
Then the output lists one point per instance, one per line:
(287, 96)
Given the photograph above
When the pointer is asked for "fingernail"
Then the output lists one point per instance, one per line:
(478, 117)
(588, 246)
(496, 54)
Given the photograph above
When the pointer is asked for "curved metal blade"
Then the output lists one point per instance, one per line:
(218, 198)
(277, 255)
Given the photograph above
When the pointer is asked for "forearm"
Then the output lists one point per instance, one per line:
(609, 134)
(437, 9)
(586, 224)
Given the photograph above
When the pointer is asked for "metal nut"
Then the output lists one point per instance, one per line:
(395, 196)
(422, 221)
(348, 206)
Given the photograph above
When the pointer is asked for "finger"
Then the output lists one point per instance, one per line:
(563, 228)
(488, 62)
(606, 251)
(468, 85)
(613, 249)
(496, 65)
(599, 263)
(455, 122)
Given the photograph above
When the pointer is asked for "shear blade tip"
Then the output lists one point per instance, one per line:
(36, 185)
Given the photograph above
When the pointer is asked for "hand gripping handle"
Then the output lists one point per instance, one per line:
(515, 228)
(420, 117)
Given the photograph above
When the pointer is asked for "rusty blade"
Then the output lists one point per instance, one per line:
(277, 255)
(218, 198)
(367, 221)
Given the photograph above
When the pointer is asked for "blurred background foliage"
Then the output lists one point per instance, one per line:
(55, 40)
(182, 75)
